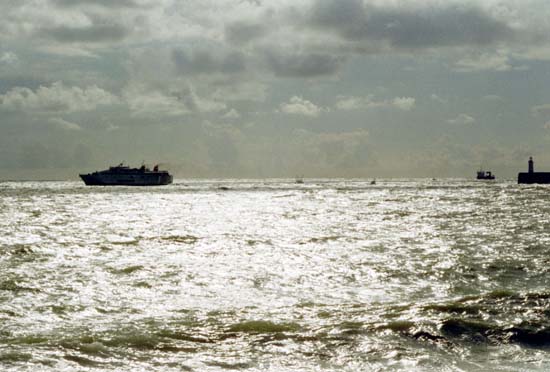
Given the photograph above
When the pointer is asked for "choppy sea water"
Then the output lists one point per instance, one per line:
(248, 275)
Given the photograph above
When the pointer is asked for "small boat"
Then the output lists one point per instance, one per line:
(484, 175)
(373, 182)
(299, 179)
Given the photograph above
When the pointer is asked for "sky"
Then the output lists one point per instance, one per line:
(280, 88)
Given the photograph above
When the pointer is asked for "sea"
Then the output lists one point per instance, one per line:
(274, 275)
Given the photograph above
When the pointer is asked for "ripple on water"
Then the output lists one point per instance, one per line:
(263, 326)
(330, 275)
(186, 239)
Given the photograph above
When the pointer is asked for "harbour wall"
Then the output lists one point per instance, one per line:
(534, 177)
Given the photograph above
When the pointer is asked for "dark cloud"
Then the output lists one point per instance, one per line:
(90, 34)
(104, 3)
(9, 82)
(187, 97)
(303, 65)
(204, 62)
(242, 32)
(429, 26)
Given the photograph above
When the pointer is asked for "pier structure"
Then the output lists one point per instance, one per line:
(531, 176)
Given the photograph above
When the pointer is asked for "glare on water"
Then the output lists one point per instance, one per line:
(262, 275)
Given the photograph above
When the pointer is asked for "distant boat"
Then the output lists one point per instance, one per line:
(123, 175)
(299, 179)
(484, 175)
(373, 182)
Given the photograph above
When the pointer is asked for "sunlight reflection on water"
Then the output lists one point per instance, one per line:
(273, 275)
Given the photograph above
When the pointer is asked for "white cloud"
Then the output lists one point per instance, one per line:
(484, 62)
(8, 58)
(462, 119)
(56, 98)
(64, 124)
(434, 97)
(404, 103)
(354, 103)
(232, 114)
(367, 102)
(300, 106)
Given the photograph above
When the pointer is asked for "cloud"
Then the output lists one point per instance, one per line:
(94, 33)
(351, 137)
(144, 101)
(64, 124)
(462, 119)
(238, 61)
(404, 103)
(8, 58)
(368, 102)
(434, 97)
(484, 62)
(102, 3)
(434, 24)
(303, 65)
(148, 103)
(204, 61)
(56, 98)
(243, 32)
(232, 114)
(85, 24)
(332, 152)
(354, 103)
(541, 110)
(299, 106)
(253, 90)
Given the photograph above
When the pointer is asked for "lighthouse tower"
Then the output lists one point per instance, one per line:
(533, 177)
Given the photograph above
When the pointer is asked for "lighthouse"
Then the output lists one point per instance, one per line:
(531, 176)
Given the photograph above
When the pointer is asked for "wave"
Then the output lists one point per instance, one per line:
(495, 318)
(186, 239)
(84, 362)
(18, 250)
(128, 270)
(322, 239)
(15, 356)
(491, 318)
(12, 285)
(263, 326)
(230, 365)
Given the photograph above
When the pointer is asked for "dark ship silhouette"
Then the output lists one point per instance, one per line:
(123, 175)
(485, 175)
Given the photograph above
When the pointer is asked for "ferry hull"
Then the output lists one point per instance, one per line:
(152, 179)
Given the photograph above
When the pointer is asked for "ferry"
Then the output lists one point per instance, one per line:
(123, 175)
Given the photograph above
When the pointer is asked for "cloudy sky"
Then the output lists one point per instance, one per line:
(257, 88)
